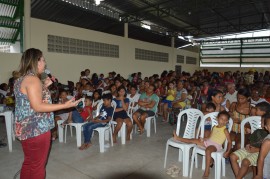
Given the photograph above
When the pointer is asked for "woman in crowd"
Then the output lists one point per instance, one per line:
(240, 110)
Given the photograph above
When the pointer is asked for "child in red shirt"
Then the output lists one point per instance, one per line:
(85, 114)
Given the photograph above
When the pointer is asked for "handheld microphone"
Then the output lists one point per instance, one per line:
(49, 74)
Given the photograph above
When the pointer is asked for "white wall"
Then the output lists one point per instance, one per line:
(68, 66)
(8, 63)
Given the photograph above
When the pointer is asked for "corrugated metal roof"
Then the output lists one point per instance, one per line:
(167, 18)
(9, 25)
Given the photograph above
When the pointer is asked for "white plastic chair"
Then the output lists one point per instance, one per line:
(78, 127)
(255, 123)
(105, 131)
(193, 115)
(219, 160)
(148, 121)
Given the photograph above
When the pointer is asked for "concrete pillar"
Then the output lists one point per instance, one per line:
(126, 30)
(172, 42)
(172, 58)
(27, 25)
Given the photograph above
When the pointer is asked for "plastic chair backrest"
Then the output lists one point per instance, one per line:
(255, 123)
(229, 129)
(156, 107)
(193, 116)
(100, 105)
(212, 116)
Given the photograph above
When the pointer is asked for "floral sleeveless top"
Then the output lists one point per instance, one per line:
(237, 127)
(29, 123)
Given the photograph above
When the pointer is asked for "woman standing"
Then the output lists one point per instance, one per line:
(33, 115)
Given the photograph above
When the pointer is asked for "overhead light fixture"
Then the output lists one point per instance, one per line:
(98, 2)
(189, 36)
(146, 26)
(185, 46)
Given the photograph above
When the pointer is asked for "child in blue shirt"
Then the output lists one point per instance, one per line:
(105, 115)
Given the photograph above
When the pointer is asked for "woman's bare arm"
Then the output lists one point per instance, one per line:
(32, 87)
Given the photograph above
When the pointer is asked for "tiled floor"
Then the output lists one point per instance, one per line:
(141, 158)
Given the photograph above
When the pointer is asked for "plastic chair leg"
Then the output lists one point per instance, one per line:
(123, 133)
(223, 166)
(180, 155)
(196, 161)
(60, 131)
(192, 163)
(66, 133)
(218, 167)
(155, 124)
(203, 163)
(110, 130)
(101, 141)
(79, 135)
(148, 127)
(71, 131)
(166, 152)
(107, 135)
(186, 164)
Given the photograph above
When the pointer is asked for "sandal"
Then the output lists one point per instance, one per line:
(85, 146)
(54, 137)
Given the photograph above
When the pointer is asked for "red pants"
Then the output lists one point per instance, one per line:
(35, 156)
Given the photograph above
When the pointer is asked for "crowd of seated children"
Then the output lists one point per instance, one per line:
(121, 113)
(105, 115)
(238, 98)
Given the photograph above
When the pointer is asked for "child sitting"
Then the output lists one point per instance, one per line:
(218, 136)
(167, 103)
(261, 109)
(105, 115)
(85, 114)
(62, 114)
(264, 156)
(210, 107)
(247, 156)
(96, 100)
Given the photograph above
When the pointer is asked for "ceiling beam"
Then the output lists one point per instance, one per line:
(9, 24)
(146, 8)
(8, 2)
(170, 13)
